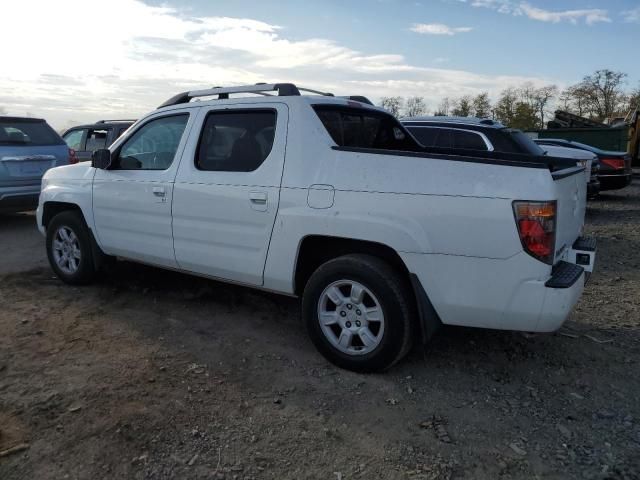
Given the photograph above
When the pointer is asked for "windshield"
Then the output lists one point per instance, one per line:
(27, 132)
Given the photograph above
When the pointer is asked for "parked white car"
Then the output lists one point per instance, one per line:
(590, 160)
(334, 201)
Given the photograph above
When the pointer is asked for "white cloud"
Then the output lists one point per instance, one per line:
(589, 15)
(632, 16)
(438, 29)
(124, 60)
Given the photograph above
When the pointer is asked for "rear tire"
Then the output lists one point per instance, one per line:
(69, 248)
(358, 311)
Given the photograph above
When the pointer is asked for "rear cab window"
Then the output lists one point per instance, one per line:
(27, 132)
(364, 128)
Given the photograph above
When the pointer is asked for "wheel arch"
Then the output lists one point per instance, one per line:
(314, 250)
(52, 208)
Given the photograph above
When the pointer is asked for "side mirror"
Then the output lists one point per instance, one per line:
(101, 159)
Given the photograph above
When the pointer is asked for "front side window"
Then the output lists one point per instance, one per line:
(96, 139)
(364, 128)
(236, 140)
(154, 145)
(74, 139)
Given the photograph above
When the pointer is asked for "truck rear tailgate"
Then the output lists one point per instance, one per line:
(571, 194)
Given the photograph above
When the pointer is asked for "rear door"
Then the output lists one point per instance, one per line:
(132, 200)
(227, 191)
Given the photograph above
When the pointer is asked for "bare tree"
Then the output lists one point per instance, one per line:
(482, 105)
(415, 107)
(605, 92)
(505, 108)
(527, 94)
(444, 108)
(463, 107)
(393, 104)
(525, 117)
(565, 100)
(634, 98)
(580, 103)
(542, 96)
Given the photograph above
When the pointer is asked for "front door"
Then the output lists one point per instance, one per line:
(227, 191)
(132, 199)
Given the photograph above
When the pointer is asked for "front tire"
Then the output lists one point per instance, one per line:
(358, 311)
(69, 248)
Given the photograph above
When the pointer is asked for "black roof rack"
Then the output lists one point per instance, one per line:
(359, 98)
(115, 121)
(282, 89)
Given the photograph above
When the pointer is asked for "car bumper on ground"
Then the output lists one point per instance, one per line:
(19, 199)
(614, 181)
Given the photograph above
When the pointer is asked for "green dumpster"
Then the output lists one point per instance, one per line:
(614, 139)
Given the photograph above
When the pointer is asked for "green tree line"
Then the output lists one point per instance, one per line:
(600, 96)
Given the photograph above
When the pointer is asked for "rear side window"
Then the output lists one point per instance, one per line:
(443, 140)
(364, 128)
(27, 132)
(468, 140)
(236, 141)
(425, 135)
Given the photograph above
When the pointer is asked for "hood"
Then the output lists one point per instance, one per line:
(78, 171)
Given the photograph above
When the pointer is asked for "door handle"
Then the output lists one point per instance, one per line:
(159, 191)
(258, 201)
(259, 198)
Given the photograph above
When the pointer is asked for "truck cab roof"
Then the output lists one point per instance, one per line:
(265, 93)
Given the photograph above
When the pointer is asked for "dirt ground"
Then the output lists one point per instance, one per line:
(152, 374)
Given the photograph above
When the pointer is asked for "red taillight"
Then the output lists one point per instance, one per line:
(536, 223)
(72, 156)
(613, 162)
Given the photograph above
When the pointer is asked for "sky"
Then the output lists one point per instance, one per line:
(78, 61)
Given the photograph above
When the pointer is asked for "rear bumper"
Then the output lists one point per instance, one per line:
(19, 199)
(517, 293)
(615, 181)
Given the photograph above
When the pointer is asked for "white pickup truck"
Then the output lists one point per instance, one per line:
(332, 200)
